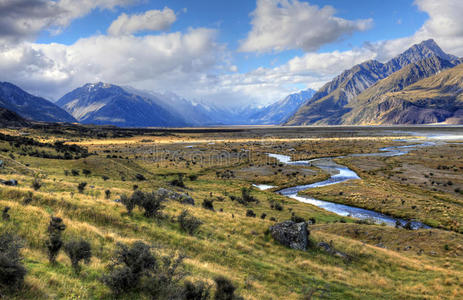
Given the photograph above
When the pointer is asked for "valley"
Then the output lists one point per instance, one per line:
(214, 165)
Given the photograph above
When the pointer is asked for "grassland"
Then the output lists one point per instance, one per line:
(386, 263)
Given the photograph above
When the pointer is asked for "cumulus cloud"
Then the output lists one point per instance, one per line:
(152, 20)
(24, 19)
(279, 25)
(156, 59)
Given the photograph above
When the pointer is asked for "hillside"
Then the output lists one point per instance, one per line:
(11, 119)
(367, 104)
(436, 99)
(233, 238)
(336, 98)
(31, 107)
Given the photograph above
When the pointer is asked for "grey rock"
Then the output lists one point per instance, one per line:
(180, 197)
(10, 182)
(291, 234)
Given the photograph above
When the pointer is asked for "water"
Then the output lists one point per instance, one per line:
(264, 187)
(340, 173)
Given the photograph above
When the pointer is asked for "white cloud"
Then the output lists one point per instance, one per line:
(152, 20)
(279, 25)
(24, 19)
(131, 60)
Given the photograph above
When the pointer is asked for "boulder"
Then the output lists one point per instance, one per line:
(328, 248)
(182, 198)
(291, 234)
(10, 182)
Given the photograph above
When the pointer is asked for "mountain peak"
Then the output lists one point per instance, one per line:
(417, 52)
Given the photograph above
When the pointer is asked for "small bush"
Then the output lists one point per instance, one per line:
(196, 291)
(107, 194)
(225, 290)
(12, 271)
(129, 203)
(75, 172)
(263, 216)
(189, 223)
(178, 182)
(137, 268)
(5, 214)
(152, 204)
(275, 205)
(81, 187)
(193, 177)
(78, 251)
(208, 204)
(86, 172)
(140, 177)
(250, 213)
(54, 242)
(297, 219)
(104, 177)
(36, 184)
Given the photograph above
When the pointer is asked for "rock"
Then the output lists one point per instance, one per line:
(291, 234)
(328, 248)
(182, 198)
(10, 182)
(1, 164)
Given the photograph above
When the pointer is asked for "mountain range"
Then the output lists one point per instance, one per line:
(419, 86)
(355, 96)
(31, 107)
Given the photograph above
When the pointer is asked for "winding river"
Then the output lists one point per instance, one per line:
(340, 173)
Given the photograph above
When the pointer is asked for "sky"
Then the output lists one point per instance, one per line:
(230, 53)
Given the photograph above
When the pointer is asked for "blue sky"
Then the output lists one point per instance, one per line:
(226, 52)
(232, 19)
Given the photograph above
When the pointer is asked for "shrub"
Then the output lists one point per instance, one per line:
(36, 184)
(129, 266)
(250, 213)
(104, 177)
(129, 203)
(86, 172)
(54, 242)
(151, 203)
(178, 182)
(5, 214)
(263, 216)
(107, 194)
(297, 219)
(140, 177)
(74, 172)
(78, 251)
(225, 290)
(189, 223)
(81, 187)
(196, 291)
(193, 177)
(275, 205)
(137, 268)
(12, 271)
(208, 204)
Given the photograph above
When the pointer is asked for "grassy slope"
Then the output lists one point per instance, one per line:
(229, 243)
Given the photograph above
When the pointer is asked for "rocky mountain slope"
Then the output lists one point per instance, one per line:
(31, 107)
(336, 98)
(436, 99)
(366, 105)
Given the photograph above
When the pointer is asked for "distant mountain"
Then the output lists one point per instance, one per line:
(11, 119)
(436, 99)
(107, 104)
(31, 107)
(280, 111)
(333, 100)
(194, 114)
